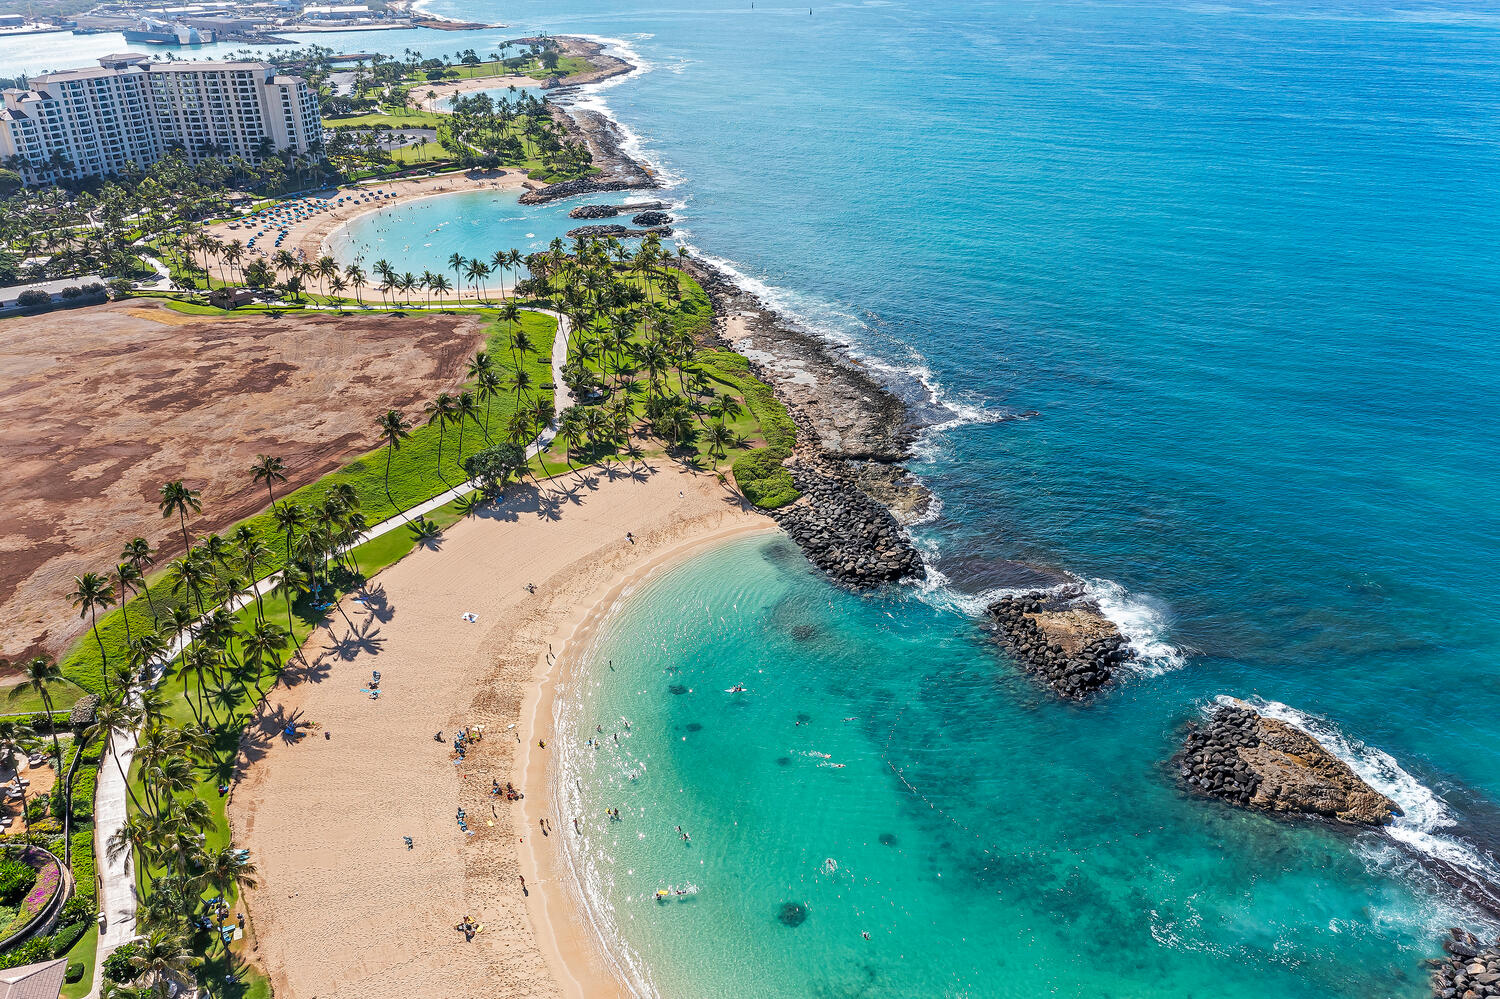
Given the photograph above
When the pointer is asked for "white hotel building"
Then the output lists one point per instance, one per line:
(133, 110)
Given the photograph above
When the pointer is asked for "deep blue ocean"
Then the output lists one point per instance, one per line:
(1240, 261)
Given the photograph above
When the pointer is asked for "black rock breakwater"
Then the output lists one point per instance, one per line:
(610, 211)
(1245, 758)
(853, 438)
(845, 532)
(616, 231)
(1062, 638)
(1471, 970)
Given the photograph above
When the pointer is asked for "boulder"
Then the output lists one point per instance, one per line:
(1472, 967)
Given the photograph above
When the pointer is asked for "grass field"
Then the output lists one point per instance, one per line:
(415, 476)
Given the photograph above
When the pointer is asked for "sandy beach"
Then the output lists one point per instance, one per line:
(344, 909)
(307, 238)
(435, 93)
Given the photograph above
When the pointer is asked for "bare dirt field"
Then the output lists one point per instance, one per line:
(100, 406)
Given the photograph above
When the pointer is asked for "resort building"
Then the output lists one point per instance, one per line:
(129, 110)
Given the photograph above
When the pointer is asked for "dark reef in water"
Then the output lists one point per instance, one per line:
(792, 914)
(678, 689)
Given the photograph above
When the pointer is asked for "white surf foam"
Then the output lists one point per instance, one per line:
(1424, 828)
(590, 97)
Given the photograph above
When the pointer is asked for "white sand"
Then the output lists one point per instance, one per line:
(344, 909)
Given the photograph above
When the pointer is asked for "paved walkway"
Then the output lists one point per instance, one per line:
(117, 900)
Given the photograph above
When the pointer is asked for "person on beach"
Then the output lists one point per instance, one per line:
(630, 537)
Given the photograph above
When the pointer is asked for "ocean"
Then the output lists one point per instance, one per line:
(1198, 303)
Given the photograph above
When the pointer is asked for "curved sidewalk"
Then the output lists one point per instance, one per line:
(117, 900)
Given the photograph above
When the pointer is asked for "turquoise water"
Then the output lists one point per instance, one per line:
(989, 841)
(509, 93)
(422, 235)
(1240, 258)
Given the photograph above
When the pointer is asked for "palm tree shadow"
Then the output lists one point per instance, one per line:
(315, 671)
(352, 645)
(376, 602)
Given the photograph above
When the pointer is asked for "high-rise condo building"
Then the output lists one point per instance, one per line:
(97, 121)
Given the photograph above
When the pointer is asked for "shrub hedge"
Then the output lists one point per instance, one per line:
(763, 480)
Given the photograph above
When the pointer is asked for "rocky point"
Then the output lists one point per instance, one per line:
(1242, 757)
(1061, 637)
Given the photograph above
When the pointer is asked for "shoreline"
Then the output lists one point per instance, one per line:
(570, 939)
(354, 910)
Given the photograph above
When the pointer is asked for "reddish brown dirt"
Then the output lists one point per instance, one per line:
(101, 406)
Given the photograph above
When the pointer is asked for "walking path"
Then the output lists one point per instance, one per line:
(117, 900)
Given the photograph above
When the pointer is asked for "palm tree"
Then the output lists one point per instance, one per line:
(91, 592)
(40, 675)
(139, 553)
(289, 519)
(356, 277)
(393, 430)
(477, 271)
(439, 284)
(457, 261)
(262, 645)
(12, 734)
(719, 438)
(179, 499)
(126, 576)
(161, 955)
(464, 409)
(440, 411)
(725, 407)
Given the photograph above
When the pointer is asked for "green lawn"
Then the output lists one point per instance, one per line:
(395, 117)
(84, 952)
(566, 66)
(415, 476)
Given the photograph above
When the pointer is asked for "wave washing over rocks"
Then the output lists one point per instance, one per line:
(1244, 758)
(1062, 637)
(853, 439)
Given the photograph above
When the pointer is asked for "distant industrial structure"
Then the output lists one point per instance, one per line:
(98, 121)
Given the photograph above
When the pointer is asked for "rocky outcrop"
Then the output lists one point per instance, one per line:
(610, 211)
(1471, 970)
(615, 231)
(843, 531)
(1062, 638)
(595, 211)
(852, 441)
(651, 218)
(618, 171)
(1242, 757)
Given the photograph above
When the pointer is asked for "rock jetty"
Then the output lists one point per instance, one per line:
(618, 171)
(843, 531)
(617, 231)
(1061, 637)
(651, 219)
(1242, 757)
(610, 211)
(1471, 970)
